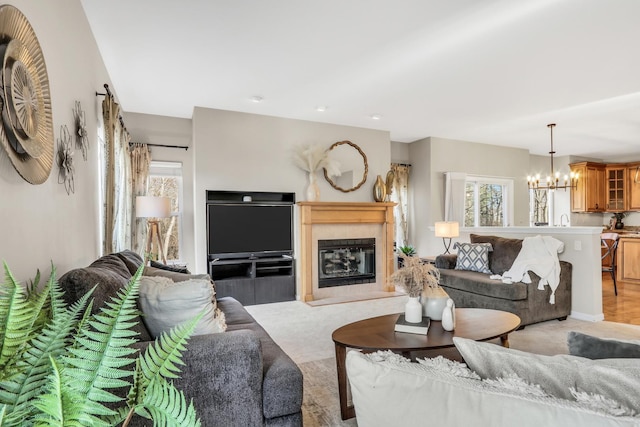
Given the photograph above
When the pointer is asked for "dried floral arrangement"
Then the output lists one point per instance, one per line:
(313, 157)
(415, 275)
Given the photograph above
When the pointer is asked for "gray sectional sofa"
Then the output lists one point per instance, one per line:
(474, 289)
(237, 378)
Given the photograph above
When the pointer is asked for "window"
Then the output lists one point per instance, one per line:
(541, 205)
(165, 180)
(488, 202)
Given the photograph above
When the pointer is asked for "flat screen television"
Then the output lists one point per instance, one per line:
(249, 230)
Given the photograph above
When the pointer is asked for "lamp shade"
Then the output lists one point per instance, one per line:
(153, 207)
(447, 229)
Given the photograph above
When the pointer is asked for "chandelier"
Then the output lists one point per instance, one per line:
(553, 179)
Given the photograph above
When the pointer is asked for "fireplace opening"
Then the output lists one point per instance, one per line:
(346, 262)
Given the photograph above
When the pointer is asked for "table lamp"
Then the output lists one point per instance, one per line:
(447, 230)
(153, 207)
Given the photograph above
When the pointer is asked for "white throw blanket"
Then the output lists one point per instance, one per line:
(540, 255)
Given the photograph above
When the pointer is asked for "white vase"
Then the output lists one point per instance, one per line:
(449, 316)
(434, 302)
(313, 191)
(413, 310)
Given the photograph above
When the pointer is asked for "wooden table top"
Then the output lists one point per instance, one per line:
(378, 333)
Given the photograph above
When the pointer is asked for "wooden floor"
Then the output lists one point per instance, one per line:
(624, 308)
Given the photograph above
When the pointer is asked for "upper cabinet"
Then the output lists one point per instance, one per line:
(589, 196)
(616, 200)
(606, 187)
(633, 186)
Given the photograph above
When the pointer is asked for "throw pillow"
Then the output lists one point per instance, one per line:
(600, 348)
(173, 268)
(617, 379)
(473, 257)
(505, 251)
(165, 304)
(176, 277)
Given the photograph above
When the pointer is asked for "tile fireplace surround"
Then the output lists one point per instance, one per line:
(345, 220)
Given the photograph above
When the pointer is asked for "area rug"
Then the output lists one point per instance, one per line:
(321, 408)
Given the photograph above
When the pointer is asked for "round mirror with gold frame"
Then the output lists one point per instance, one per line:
(353, 166)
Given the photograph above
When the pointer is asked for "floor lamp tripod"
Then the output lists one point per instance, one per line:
(154, 208)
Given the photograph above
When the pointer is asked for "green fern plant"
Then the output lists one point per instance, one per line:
(61, 366)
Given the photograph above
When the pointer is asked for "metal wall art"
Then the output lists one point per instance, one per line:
(82, 141)
(65, 160)
(26, 129)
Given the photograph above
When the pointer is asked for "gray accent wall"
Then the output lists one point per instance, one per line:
(250, 152)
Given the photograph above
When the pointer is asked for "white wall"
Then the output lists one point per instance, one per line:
(432, 157)
(41, 224)
(152, 129)
(400, 152)
(249, 152)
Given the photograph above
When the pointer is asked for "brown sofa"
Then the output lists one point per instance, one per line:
(474, 289)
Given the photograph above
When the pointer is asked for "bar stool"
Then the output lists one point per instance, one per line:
(610, 246)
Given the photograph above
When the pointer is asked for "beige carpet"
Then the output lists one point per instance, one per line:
(304, 332)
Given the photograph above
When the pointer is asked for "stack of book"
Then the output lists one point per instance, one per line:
(413, 328)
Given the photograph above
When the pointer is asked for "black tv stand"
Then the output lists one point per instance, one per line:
(255, 280)
(252, 273)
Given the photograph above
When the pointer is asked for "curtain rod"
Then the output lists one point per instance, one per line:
(184, 147)
(106, 87)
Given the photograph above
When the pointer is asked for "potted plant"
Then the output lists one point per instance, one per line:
(415, 277)
(619, 216)
(61, 366)
(406, 250)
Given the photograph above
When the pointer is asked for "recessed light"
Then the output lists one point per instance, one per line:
(376, 116)
(321, 108)
(256, 99)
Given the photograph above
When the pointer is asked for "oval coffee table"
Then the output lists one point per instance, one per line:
(378, 333)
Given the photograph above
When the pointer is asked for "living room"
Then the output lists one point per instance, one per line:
(247, 146)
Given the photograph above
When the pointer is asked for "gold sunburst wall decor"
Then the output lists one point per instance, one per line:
(26, 128)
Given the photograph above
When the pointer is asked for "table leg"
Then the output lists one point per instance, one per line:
(346, 411)
(504, 340)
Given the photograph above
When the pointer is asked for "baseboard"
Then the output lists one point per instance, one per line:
(587, 317)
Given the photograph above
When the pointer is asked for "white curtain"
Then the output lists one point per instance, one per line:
(118, 188)
(400, 195)
(454, 196)
(140, 162)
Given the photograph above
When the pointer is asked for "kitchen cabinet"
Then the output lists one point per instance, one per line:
(627, 259)
(616, 200)
(589, 195)
(633, 186)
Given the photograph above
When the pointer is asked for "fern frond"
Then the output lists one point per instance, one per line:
(15, 322)
(59, 406)
(35, 365)
(95, 362)
(56, 295)
(164, 356)
(40, 304)
(33, 285)
(168, 406)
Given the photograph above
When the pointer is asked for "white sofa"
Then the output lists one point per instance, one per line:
(389, 390)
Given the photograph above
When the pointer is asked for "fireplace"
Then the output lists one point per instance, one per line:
(346, 221)
(346, 262)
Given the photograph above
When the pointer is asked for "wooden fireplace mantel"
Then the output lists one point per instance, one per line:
(315, 213)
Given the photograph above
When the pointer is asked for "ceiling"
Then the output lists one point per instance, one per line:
(491, 71)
